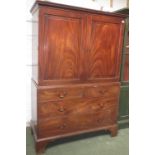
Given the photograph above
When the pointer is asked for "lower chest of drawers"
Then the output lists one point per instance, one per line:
(57, 115)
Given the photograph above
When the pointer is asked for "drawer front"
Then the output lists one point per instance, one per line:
(108, 91)
(56, 94)
(75, 122)
(60, 94)
(74, 107)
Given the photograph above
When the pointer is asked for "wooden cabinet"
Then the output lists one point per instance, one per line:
(76, 71)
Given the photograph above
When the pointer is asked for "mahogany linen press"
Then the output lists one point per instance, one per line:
(76, 71)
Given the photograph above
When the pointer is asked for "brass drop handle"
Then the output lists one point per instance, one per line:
(95, 86)
(100, 105)
(63, 126)
(109, 111)
(102, 91)
(62, 95)
(99, 121)
(61, 109)
(82, 94)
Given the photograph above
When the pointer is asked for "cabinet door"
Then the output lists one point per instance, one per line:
(61, 53)
(104, 47)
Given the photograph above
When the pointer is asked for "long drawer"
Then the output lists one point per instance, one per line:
(78, 92)
(55, 109)
(78, 121)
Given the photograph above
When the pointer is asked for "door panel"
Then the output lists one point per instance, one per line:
(62, 47)
(104, 49)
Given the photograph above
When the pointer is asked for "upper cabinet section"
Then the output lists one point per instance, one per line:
(77, 45)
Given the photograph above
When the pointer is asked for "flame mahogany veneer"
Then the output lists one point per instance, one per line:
(76, 71)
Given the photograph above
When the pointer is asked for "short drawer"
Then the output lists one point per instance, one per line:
(74, 123)
(56, 94)
(55, 109)
(106, 91)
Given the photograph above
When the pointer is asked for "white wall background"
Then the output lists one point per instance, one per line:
(117, 4)
(28, 59)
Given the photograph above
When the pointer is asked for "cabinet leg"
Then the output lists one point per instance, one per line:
(40, 146)
(113, 131)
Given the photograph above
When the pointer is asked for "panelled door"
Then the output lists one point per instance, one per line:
(62, 50)
(104, 47)
(78, 46)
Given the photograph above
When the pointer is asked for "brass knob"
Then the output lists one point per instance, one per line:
(102, 91)
(61, 109)
(63, 126)
(109, 111)
(62, 95)
(95, 86)
(99, 121)
(82, 94)
(100, 105)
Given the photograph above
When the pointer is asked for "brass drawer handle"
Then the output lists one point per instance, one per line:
(95, 86)
(102, 91)
(63, 126)
(61, 109)
(62, 95)
(108, 111)
(99, 121)
(100, 105)
(81, 94)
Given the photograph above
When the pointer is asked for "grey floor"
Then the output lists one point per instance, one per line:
(90, 144)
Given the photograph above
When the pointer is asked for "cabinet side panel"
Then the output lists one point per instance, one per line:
(35, 46)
